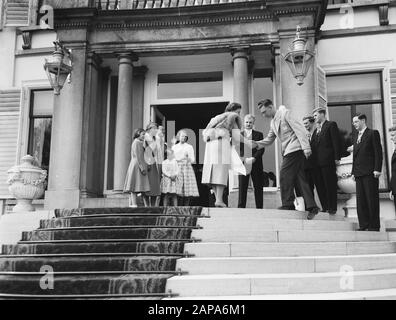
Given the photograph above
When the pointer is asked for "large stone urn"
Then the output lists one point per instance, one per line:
(27, 183)
(347, 184)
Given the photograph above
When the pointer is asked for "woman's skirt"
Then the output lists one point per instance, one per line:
(186, 185)
(154, 181)
(217, 162)
(135, 181)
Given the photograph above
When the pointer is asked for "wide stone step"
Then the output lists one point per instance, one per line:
(221, 213)
(165, 247)
(88, 263)
(84, 284)
(260, 265)
(265, 249)
(119, 220)
(188, 211)
(255, 234)
(386, 294)
(264, 223)
(107, 233)
(254, 284)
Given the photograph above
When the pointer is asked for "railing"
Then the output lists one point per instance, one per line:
(150, 4)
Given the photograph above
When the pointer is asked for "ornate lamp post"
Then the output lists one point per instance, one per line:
(299, 58)
(59, 67)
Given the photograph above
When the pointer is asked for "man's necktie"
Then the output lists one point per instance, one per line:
(359, 137)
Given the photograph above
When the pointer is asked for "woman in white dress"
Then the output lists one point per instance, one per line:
(187, 187)
(221, 131)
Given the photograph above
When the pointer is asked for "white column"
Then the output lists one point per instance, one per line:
(123, 136)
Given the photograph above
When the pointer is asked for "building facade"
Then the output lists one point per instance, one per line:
(178, 63)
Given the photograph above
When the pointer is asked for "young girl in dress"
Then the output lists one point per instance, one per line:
(170, 171)
(137, 179)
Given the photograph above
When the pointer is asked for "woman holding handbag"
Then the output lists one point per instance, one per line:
(220, 155)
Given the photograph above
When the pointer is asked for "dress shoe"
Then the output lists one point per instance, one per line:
(312, 213)
(332, 212)
(362, 229)
(289, 208)
(374, 230)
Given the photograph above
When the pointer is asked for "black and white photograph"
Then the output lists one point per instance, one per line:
(184, 151)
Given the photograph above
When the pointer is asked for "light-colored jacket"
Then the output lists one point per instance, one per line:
(290, 132)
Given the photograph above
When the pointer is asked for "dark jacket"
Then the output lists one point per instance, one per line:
(326, 146)
(257, 154)
(393, 178)
(367, 155)
(311, 162)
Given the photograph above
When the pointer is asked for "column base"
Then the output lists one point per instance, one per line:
(65, 199)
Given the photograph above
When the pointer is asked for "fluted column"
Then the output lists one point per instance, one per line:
(123, 135)
(240, 58)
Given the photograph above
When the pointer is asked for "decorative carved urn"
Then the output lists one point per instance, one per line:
(27, 183)
(347, 185)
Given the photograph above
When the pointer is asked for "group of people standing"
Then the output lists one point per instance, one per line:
(150, 175)
(310, 158)
(311, 151)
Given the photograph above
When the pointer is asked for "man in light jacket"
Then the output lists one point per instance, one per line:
(295, 149)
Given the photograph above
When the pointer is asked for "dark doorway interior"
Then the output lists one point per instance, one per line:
(194, 117)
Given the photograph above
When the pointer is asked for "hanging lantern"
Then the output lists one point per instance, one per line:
(58, 67)
(299, 58)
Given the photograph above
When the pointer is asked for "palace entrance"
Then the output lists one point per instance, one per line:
(194, 118)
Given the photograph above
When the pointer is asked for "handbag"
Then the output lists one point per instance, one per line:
(236, 162)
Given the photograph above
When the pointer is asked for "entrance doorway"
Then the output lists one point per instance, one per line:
(194, 118)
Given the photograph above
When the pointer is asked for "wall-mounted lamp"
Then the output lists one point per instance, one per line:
(299, 58)
(59, 67)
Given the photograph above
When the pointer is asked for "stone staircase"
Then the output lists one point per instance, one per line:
(271, 254)
(98, 254)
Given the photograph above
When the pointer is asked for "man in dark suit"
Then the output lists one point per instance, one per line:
(326, 150)
(366, 169)
(257, 173)
(392, 194)
(310, 163)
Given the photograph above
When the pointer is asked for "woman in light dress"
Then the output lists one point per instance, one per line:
(170, 172)
(151, 156)
(221, 131)
(136, 179)
(187, 187)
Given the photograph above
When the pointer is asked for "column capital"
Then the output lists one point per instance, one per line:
(240, 52)
(126, 57)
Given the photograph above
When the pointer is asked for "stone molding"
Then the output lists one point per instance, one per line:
(238, 12)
